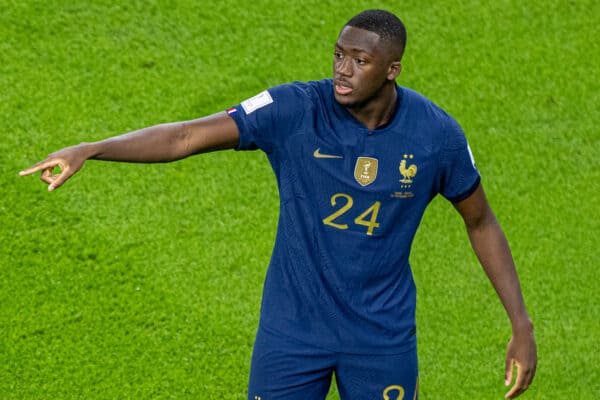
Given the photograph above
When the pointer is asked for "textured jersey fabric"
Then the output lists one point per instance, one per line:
(351, 200)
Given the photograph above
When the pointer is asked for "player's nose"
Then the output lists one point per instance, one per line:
(344, 67)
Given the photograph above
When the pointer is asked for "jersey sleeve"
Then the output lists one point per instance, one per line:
(459, 175)
(264, 120)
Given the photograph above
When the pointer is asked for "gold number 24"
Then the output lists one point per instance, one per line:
(370, 223)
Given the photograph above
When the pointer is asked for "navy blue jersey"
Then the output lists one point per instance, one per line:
(351, 199)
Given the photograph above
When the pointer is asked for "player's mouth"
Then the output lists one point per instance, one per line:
(342, 88)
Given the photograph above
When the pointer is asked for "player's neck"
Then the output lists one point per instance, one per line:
(378, 111)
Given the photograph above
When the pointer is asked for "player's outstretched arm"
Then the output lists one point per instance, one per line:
(159, 143)
(491, 247)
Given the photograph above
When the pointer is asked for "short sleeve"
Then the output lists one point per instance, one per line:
(265, 119)
(459, 175)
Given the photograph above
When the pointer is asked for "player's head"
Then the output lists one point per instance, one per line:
(389, 27)
(367, 57)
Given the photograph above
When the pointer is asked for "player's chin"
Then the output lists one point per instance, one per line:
(345, 100)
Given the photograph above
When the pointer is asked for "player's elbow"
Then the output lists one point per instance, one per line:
(480, 221)
(181, 142)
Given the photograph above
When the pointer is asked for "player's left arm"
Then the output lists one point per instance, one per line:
(492, 250)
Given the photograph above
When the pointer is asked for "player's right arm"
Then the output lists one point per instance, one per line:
(159, 143)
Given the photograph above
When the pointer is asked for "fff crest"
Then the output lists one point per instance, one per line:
(365, 171)
(407, 172)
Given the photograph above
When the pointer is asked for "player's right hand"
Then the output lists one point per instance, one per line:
(69, 160)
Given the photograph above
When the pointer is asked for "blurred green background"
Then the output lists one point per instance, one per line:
(144, 281)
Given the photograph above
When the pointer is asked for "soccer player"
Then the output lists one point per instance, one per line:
(357, 160)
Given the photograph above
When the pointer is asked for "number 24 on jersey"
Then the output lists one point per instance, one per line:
(367, 218)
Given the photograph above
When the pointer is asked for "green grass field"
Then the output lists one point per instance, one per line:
(144, 281)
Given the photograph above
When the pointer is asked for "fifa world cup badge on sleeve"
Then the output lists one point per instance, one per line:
(471, 155)
(256, 102)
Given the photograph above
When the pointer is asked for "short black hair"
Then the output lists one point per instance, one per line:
(387, 25)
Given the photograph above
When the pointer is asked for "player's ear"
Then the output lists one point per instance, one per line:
(394, 70)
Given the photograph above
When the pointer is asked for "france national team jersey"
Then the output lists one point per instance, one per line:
(351, 200)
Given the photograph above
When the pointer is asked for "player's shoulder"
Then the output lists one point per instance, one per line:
(429, 113)
(423, 106)
(292, 101)
(307, 91)
(296, 100)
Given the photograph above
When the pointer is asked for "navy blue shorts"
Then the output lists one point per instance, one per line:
(286, 369)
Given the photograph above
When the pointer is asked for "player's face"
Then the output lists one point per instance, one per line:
(362, 67)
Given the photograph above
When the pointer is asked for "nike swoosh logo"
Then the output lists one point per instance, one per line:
(318, 154)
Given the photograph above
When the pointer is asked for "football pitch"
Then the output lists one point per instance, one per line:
(144, 281)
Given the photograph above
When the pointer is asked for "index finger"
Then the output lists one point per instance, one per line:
(39, 166)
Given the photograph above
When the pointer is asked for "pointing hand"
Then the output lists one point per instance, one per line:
(69, 160)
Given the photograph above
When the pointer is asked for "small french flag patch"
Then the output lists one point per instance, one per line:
(232, 110)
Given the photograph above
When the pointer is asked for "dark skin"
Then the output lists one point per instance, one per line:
(364, 74)
(492, 250)
(365, 70)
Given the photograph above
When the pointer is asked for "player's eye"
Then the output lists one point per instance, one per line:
(338, 55)
(361, 61)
